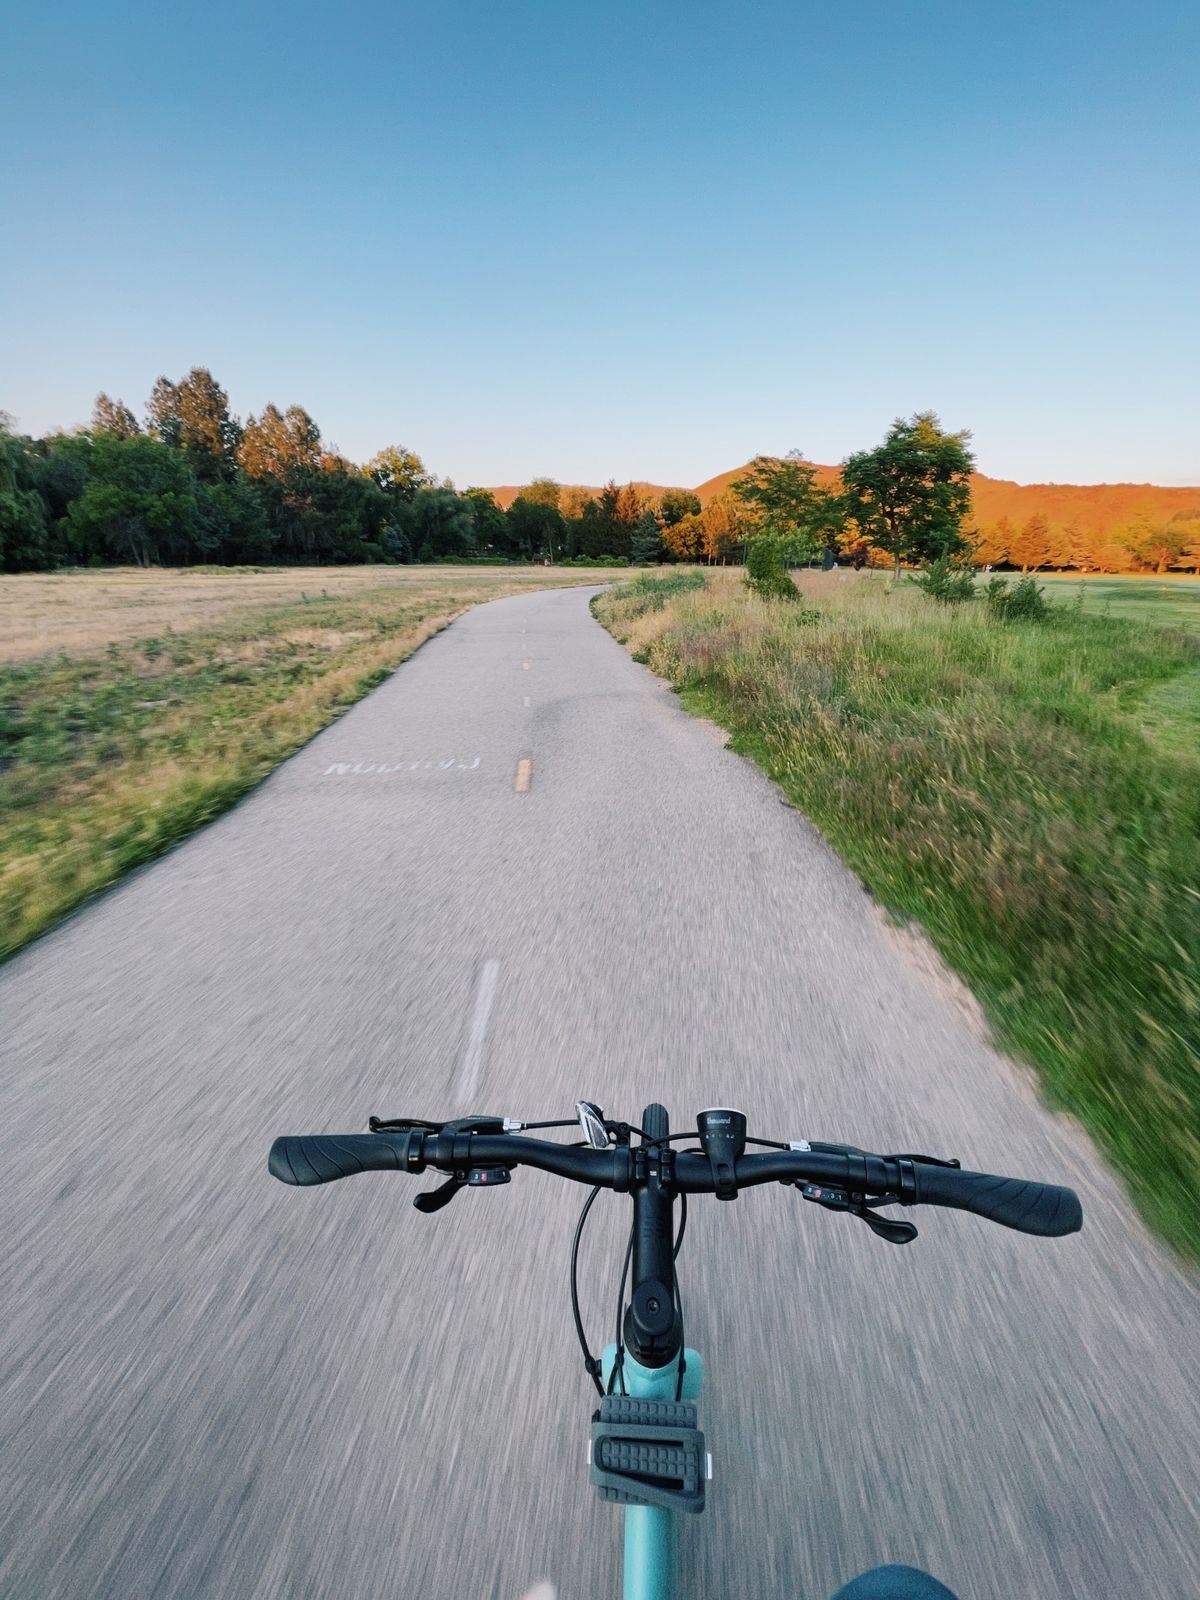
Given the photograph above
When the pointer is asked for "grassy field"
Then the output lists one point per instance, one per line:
(1168, 602)
(1029, 792)
(136, 705)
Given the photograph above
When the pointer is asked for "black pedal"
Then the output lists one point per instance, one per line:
(648, 1453)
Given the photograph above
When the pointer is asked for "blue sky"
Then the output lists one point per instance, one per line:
(632, 240)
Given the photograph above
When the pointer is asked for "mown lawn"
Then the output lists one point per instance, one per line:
(1167, 602)
(1029, 792)
(135, 706)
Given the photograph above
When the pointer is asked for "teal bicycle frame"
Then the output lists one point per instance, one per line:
(645, 1364)
(652, 1532)
(652, 1535)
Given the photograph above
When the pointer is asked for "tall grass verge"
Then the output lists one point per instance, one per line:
(1024, 790)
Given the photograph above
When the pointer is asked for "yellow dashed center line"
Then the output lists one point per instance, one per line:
(524, 775)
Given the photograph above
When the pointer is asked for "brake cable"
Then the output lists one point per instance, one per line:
(593, 1366)
(618, 1370)
(591, 1363)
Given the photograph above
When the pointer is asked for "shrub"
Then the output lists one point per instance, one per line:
(1024, 602)
(766, 574)
(653, 593)
(947, 580)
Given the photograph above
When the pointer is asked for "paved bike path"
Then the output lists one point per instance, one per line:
(212, 1386)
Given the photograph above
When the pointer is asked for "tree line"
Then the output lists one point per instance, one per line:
(1146, 542)
(191, 483)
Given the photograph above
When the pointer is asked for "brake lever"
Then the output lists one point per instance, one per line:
(434, 1199)
(896, 1230)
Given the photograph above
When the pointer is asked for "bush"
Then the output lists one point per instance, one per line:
(947, 580)
(1024, 602)
(766, 574)
(653, 593)
(644, 594)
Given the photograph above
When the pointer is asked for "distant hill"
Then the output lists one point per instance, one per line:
(827, 477)
(1089, 505)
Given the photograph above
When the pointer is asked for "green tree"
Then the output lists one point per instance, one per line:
(828, 522)
(23, 530)
(440, 523)
(676, 504)
(909, 496)
(606, 527)
(646, 540)
(491, 525)
(782, 500)
(138, 502)
(543, 492)
(231, 521)
(399, 471)
(535, 528)
(57, 470)
(113, 416)
(766, 572)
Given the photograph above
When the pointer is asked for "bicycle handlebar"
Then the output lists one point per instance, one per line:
(1028, 1207)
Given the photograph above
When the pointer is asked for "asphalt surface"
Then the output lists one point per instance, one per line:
(213, 1385)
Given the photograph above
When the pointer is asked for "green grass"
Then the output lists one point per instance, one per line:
(1029, 792)
(653, 591)
(1167, 602)
(111, 753)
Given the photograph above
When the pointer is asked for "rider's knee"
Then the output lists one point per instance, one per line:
(894, 1583)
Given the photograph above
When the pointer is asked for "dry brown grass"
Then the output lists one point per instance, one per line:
(135, 706)
(42, 613)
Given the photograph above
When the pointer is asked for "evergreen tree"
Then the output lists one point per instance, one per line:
(645, 544)
(113, 416)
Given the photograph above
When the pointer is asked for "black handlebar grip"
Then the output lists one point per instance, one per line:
(322, 1157)
(1018, 1203)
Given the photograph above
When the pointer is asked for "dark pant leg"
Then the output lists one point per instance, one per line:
(894, 1583)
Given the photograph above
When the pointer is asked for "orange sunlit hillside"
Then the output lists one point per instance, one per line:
(1092, 506)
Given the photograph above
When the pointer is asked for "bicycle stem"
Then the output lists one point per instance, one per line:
(652, 1327)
